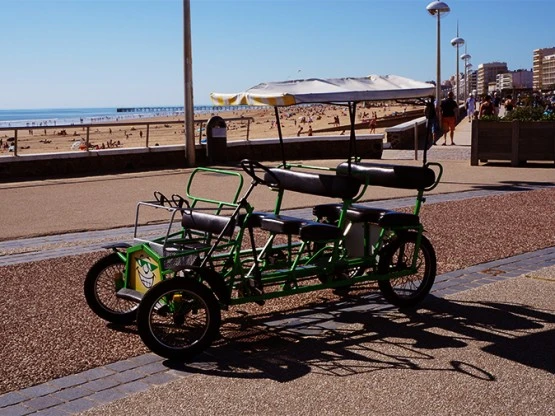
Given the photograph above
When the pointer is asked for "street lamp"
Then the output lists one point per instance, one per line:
(188, 110)
(456, 42)
(437, 8)
(466, 57)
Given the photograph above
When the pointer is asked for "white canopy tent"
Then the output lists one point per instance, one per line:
(344, 91)
(335, 90)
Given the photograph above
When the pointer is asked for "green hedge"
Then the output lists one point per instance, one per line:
(526, 114)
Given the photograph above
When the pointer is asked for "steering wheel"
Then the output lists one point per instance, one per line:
(251, 167)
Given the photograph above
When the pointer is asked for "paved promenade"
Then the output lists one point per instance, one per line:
(486, 333)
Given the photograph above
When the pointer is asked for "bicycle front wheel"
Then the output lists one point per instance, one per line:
(102, 282)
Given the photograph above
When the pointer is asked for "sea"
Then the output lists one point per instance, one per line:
(72, 116)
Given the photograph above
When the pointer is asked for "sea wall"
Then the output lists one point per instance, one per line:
(110, 161)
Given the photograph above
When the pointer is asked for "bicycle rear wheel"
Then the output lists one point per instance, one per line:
(409, 290)
(178, 318)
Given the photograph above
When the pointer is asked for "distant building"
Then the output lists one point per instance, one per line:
(544, 68)
(468, 85)
(504, 81)
(520, 79)
(487, 73)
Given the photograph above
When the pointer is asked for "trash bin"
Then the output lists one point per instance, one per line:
(216, 140)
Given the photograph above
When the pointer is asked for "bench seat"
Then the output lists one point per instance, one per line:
(355, 213)
(210, 223)
(359, 213)
(332, 186)
(282, 224)
(316, 231)
(254, 219)
(398, 219)
(307, 230)
(390, 176)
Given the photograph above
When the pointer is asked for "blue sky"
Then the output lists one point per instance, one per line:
(113, 53)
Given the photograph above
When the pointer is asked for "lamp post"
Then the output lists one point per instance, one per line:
(188, 86)
(437, 8)
(456, 42)
(466, 57)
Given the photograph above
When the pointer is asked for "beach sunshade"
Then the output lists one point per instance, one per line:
(335, 90)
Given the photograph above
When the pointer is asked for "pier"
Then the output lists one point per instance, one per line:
(172, 109)
(148, 109)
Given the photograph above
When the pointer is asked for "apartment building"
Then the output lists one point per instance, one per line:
(514, 80)
(487, 73)
(544, 68)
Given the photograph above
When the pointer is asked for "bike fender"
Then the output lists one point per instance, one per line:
(214, 281)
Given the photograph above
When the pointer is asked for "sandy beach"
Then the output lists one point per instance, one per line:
(252, 124)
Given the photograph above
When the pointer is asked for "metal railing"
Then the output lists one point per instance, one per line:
(11, 144)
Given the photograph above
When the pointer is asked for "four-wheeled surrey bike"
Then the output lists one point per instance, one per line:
(215, 253)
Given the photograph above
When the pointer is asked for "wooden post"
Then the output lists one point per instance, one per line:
(514, 143)
(201, 129)
(474, 143)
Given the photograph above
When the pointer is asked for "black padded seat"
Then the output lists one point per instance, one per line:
(210, 223)
(255, 219)
(355, 213)
(282, 224)
(398, 219)
(332, 186)
(316, 231)
(390, 176)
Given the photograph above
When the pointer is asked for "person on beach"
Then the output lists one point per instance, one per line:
(449, 110)
(373, 122)
(470, 106)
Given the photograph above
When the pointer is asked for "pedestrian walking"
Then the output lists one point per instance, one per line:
(496, 103)
(470, 106)
(432, 125)
(449, 109)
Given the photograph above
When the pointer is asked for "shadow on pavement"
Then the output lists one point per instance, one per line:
(531, 165)
(363, 335)
(507, 186)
